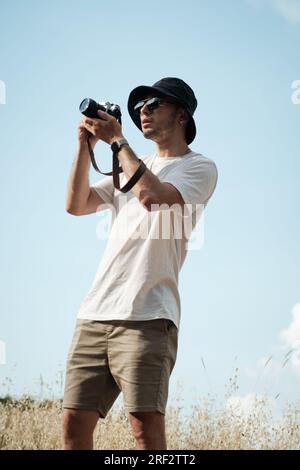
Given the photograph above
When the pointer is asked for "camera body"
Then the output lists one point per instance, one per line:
(89, 107)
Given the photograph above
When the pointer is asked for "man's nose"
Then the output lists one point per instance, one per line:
(145, 109)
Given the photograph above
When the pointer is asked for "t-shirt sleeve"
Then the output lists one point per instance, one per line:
(105, 189)
(195, 180)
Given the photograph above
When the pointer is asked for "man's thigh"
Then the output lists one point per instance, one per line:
(89, 382)
(142, 355)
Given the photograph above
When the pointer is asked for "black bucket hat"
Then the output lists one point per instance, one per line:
(174, 88)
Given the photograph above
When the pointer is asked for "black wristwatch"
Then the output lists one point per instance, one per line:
(117, 144)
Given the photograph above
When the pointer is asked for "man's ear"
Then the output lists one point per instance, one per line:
(183, 116)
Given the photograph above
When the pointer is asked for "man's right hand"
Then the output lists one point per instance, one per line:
(83, 135)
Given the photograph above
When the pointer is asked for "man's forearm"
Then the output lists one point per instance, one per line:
(148, 188)
(78, 183)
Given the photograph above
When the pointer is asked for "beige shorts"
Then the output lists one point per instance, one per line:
(107, 357)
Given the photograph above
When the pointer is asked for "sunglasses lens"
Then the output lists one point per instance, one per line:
(151, 103)
(137, 108)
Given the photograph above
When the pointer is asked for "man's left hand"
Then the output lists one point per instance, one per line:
(107, 128)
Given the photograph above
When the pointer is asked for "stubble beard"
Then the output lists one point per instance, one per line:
(153, 133)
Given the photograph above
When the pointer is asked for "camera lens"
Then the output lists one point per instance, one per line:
(89, 108)
(84, 105)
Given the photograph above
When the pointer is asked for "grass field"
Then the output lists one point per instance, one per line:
(27, 423)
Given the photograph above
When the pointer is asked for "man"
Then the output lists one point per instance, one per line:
(127, 326)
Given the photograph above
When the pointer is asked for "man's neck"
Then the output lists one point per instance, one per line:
(172, 149)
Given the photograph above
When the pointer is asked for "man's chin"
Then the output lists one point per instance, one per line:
(149, 134)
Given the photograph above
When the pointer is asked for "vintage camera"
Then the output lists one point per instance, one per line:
(89, 108)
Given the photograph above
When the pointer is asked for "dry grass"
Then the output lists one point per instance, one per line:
(30, 424)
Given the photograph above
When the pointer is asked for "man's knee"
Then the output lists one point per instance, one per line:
(78, 423)
(70, 422)
(145, 424)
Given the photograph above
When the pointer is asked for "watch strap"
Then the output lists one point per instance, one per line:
(117, 144)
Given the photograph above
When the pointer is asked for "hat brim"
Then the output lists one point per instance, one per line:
(140, 92)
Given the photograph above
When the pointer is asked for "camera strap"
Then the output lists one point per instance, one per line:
(118, 169)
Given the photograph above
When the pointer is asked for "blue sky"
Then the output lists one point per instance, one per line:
(238, 291)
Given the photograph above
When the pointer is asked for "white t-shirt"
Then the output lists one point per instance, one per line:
(137, 278)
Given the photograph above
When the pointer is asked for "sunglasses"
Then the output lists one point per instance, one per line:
(151, 103)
